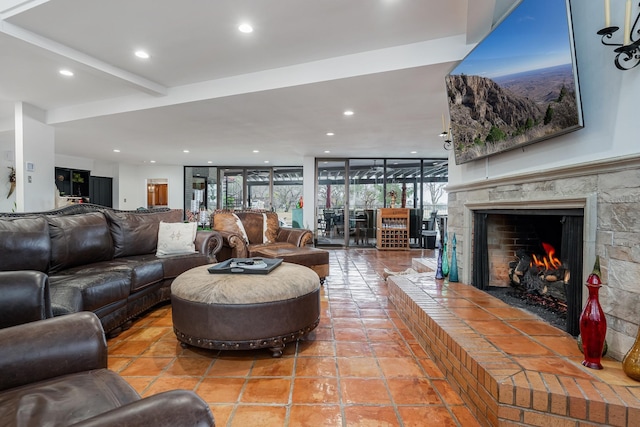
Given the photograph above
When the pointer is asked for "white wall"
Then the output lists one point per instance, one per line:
(130, 181)
(74, 162)
(34, 145)
(609, 103)
(105, 169)
(132, 185)
(7, 159)
(96, 167)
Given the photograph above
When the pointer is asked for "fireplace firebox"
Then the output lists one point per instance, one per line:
(502, 238)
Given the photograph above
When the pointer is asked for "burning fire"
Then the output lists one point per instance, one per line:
(549, 261)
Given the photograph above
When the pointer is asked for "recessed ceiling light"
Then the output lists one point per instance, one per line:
(348, 113)
(266, 161)
(330, 133)
(185, 151)
(327, 151)
(65, 72)
(245, 28)
(414, 152)
(210, 161)
(141, 54)
(152, 161)
(256, 151)
(115, 150)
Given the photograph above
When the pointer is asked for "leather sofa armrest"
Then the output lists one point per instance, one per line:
(171, 409)
(297, 236)
(50, 348)
(25, 297)
(209, 243)
(235, 243)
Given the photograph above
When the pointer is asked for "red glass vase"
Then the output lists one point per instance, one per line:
(593, 329)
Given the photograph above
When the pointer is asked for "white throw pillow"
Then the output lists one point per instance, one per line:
(176, 238)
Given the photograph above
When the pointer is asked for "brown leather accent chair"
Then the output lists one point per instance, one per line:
(54, 372)
(259, 229)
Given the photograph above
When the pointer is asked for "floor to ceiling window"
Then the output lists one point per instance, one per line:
(232, 186)
(278, 189)
(201, 188)
(259, 188)
(331, 199)
(366, 195)
(287, 196)
(349, 193)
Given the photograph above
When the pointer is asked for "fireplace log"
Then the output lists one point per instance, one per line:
(534, 283)
(532, 278)
(524, 261)
(515, 279)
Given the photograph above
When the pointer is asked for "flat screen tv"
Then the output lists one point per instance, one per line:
(517, 86)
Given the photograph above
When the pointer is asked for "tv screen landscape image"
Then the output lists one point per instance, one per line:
(518, 86)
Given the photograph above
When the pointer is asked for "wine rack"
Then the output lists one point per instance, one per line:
(393, 229)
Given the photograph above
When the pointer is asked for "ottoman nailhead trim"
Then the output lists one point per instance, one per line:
(278, 342)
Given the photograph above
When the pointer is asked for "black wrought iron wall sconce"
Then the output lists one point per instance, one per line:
(628, 52)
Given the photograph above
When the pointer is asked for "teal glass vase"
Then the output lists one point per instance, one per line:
(445, 255)
(453, 273)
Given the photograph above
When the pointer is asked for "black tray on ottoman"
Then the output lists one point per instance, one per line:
(245, 266)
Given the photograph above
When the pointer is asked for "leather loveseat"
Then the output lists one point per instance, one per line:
(246, 232)
(98, 259)
(54, 372)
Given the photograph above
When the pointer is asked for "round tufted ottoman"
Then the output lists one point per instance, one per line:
(245, 311)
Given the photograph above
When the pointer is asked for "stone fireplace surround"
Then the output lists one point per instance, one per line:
(608, 191)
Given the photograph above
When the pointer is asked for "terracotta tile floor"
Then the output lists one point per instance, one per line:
(360, 367)
(510, 366)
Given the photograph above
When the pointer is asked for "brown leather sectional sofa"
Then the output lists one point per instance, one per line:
(96, 259)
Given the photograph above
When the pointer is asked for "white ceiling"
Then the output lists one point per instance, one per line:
(220, 93)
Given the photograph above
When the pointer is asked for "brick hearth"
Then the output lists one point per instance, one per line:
(510, 367)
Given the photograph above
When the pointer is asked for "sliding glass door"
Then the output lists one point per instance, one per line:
(233, 189)
(287, 196)
(331, 201)
(366, 195)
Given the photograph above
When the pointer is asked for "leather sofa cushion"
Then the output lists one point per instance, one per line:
(65, 400)
(65, 299)
(137, 233)
(142, 270)
(254, 250)
(146, 274)
(97, 289)
(173, 265)
(176, 265)
(78, 240)
(24, 244)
